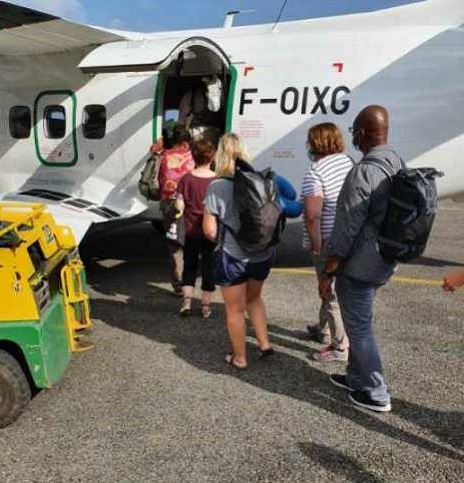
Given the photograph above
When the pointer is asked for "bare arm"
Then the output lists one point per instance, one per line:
(312, 217)
(210, 226)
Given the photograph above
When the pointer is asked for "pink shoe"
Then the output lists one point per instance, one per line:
(330, 354)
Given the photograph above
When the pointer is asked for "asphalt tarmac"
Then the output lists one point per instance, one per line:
(155, 402)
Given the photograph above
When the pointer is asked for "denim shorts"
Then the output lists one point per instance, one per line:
(230, 271)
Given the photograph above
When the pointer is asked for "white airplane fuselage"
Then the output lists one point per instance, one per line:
(281, 81)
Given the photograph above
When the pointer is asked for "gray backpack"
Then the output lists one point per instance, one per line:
(149, 186)
(411, 211)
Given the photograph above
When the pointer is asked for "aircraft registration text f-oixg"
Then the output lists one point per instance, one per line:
(306, 100)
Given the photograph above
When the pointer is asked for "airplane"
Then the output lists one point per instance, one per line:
(80, 105)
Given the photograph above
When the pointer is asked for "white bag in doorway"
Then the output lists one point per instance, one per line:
(213, 92)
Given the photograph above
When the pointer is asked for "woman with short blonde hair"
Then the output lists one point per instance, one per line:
(239, 273)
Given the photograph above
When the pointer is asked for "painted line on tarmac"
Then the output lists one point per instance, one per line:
(395, 278)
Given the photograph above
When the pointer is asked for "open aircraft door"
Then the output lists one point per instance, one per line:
(150, 55)
(178, 66)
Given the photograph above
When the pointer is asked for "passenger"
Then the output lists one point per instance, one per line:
(199, 110)
(453, 280)
(240, 274)
(355, 260)
(321, 187)
(191, 193)
(175, 163)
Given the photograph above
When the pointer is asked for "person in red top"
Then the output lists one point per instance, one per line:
(175, 163)
(191, 193)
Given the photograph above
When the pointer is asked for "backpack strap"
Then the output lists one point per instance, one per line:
(382, 164)
(353, 162)
(385, 167)
(224, 227)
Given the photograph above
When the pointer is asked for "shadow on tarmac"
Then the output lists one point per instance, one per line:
(337, 463)
(152, 312)
(142, 241)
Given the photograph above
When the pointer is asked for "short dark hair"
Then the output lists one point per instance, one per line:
(180, 134)
(203, 152)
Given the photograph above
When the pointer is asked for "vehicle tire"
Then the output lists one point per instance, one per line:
(15, 391)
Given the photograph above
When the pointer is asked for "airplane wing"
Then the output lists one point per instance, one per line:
(24, 31)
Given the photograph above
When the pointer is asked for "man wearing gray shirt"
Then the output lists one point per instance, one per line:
(355, 259)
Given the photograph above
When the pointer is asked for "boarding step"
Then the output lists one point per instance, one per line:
(77, 306)
(82, 345)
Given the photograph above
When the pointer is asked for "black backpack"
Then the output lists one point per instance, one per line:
(149, 185)
(411, 211)
(256, 199)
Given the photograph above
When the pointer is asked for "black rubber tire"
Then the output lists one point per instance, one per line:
(15, 391)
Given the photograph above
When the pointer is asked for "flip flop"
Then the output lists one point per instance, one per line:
(231, 361)
(266, 352)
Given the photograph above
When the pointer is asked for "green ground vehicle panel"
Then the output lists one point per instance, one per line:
(44, 343)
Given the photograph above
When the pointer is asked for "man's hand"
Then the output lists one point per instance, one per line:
(453, 281)
(325, 286)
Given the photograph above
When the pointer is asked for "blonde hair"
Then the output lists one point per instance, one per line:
(325, 139)
(230, 149)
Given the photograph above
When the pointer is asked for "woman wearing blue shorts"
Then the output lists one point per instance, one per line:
(239, 273)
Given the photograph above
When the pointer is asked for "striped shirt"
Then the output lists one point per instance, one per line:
(327, 176)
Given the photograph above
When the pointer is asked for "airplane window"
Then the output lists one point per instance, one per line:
(94, 121)
(55, 122)
(20, 122)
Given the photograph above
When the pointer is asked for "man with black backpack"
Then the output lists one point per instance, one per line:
(355, 259)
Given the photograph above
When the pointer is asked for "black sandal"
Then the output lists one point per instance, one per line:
(266, 352)
(230, 359)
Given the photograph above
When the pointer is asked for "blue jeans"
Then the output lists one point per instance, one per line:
(364, 371)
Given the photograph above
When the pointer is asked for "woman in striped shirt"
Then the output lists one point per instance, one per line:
(321, 187)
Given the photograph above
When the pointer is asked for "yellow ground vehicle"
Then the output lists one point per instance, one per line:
(44, 308)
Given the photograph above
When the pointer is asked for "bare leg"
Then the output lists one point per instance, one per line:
(176, 254)
(206, 297)
(235, 302)
(205, 304)
(257, 311)
(187, 293)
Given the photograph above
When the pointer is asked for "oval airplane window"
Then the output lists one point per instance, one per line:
(94, 121)
(20, 122)
(55, 122)
(54, 125)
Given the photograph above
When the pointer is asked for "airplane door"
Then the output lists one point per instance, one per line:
(55, 128)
